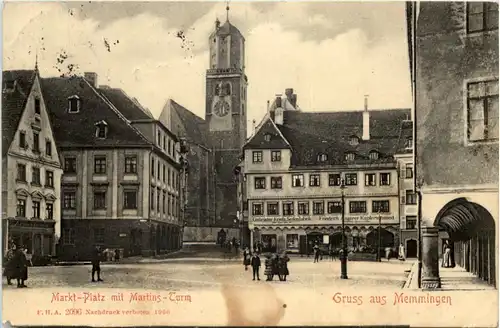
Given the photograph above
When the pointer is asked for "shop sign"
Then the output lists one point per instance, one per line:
(321, 219)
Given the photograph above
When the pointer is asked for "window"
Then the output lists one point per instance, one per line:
(226, 89)
(21, 172)
(69, 200)
(267, 137)
(169, 208)
(152, 199)
(357, 206)
(35, 176)
(314, 180)
(370, 179)
(165, 143)
(170, 147)
(380, 206)
(276, 156)
(49, 179)
(334, 207)
(303, 208)
(99, 235)
(257, 156)
(287, 208)
(158, 192)
(409, 143)
(292, 241)
(385, 179)
(22, 140)
(411, 197)
(74, 104)
(68, 236)
(168, 177)
(164, 174)
(482, 16)
(351, 179)
(153, 167)
(21, 208)
(159, 139)
(49, 208)
(257, 209)
(297, 180)
(158, 169)
(260, 183)
(272, 209)
(322, 158)
(99, 200)
(163, 205)
(130, 199)
(334, 179)
(318, 208)
(411, 222)
(409, 171)
(276, 183)
(36, 142)
(69, 165)
(354, 141)
(349, 157)
(36, 209)
(373, 155)
(101, 130)
(48, 148)
(242, 109)
(482, 111)
(37, 106)
(100, 165)
(130, 164)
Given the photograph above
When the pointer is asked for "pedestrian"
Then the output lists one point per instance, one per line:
(255, 262)
(283, 266)
(246, 258)
(268, 271)
(10, 269)
(446, 256)
(236, 247)
(275, 265)
(20, 267)
(332, 253)
(117, 255)
(96, 263)
(316, 253)
(388, 253)
(402, 256)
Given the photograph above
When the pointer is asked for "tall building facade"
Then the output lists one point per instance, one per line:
(297, 164)
(120, 187)
(456, 115)
(214, 142)
(31, 169)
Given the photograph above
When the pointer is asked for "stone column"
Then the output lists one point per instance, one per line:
(430, 258)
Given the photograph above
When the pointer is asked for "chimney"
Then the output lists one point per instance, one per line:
(278, 101)
(366, 121)
(268, 107)
(289, 93)
(270, 111)
(91, 77)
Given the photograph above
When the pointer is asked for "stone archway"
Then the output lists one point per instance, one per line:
(472, 235)
(386, 238)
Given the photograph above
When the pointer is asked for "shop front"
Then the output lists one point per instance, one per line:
(300, 235)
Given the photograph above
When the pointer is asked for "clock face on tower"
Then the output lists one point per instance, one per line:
(221, 108)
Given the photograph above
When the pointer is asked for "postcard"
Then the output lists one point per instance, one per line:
(250, 163)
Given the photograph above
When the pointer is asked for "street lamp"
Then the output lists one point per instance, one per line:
(379, 241)
(343, 257)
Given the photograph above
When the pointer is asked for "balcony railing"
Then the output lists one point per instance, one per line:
(224, 70)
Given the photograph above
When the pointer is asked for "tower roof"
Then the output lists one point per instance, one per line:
(227, 29)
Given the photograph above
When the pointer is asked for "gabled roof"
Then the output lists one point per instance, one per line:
(14, 103)
(267, 128)
(126, 105)
(195, 126)
(78, 129)
(227, 29)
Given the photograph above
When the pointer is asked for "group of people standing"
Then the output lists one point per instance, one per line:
(275, 264)
(16, 265)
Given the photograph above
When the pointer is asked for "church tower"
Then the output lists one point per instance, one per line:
(226, 111)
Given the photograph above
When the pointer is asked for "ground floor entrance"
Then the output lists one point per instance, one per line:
(127, 237)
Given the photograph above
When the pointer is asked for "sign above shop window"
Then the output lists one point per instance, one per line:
(321, 220)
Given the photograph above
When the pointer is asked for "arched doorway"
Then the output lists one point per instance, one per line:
(471, 229)
(411, 248)
(386, 240)
(336, 240)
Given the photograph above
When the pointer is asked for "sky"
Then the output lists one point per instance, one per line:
(331, 54)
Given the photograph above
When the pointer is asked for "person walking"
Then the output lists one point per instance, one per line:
(20, 267)
(10, 269)
(283, 266)
(117, 255)
(316, 253)
(401, 255)
(96, 264)
(268, 271)
(255, 262)
(246, 258)
(388, 253)
(446, 256)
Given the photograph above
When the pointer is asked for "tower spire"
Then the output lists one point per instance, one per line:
(36, 60)
(227, 11)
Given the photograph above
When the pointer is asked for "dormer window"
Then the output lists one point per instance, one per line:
(37, 106)
(322, 158)
(349, 157)
(353, 141)
(101, 131)
(267, 137)
(74, 104)
(409, 143)
(374, 155)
